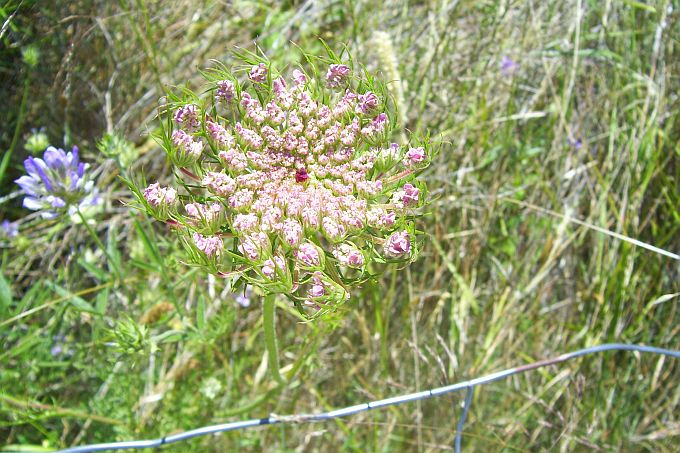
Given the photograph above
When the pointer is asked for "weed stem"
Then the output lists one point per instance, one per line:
(100, 244)
(269, 325)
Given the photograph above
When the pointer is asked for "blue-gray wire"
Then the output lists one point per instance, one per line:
(302, 418)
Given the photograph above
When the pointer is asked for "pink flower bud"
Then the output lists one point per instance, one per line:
(310, 217)
(308, 255)
(219, 134)
(388, 219)
(187, 117)
(275, 114)
(292, 231)
(219, 183)
(407, 197)
(318, 288)
(249, 136)
(397, 245)
(367, 102)
(375, 127)
(337, 74)
(258, 73)
(209, 214)
(245, 222)
(349, 255)
(279, 87)
(299, 77)
(414, 156)
(241, 199)
(225, 90)
(411, 193)
(333, 230)
(254, 245)
(189, 150)
(158, 196)
(210, 245)
(271, 266)
(233, 159)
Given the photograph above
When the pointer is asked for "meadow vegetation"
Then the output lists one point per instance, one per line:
(545, 111)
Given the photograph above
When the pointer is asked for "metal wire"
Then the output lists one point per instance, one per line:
(304, 418)
(461, 421)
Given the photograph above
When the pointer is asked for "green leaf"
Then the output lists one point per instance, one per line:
(144, 266)
(77, 302)
(5, 295)
(112, 249)
(102, 301)
(96, 272)
(171, 336)
(150, 247)
(200, 313)
(639, 5)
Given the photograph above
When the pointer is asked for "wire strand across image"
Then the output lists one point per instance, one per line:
(378, 404)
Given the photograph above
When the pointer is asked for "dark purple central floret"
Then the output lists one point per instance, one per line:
(301, 175)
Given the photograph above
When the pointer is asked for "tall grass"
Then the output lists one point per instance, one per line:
(500, 282)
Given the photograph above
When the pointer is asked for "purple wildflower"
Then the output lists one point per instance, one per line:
(57, 181)
(9, 229)
(244, 299)
(577, 143)
(508, 66)
(58, 345)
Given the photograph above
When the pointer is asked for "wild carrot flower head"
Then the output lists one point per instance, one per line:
(57, 183)
(291, 183)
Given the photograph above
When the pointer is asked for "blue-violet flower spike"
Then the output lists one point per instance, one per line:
(57, 182)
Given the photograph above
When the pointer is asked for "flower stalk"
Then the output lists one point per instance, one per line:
(269, 326)
(100, 244)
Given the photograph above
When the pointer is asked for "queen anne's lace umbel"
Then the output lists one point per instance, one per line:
(293, 185)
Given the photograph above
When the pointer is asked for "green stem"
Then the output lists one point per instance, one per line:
(99, 243)
(17, 129)
(269, 325)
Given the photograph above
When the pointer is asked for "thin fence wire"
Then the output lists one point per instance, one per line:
(379, 404)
